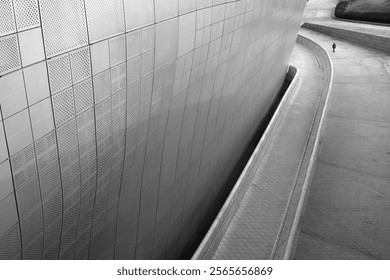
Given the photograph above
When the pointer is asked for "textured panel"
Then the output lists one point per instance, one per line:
(59, 73)
(118, 78)
(81, 64)
(83, 96)
(67, 137)
(7, 23)
(49, 180)
(10, 244)
(64, 25)
(134, 70)
(105, 18)
(23, 166)
(28, 197)
(102, 86)
(9, 54)
(46, 149)
(27, 14)
(86, 125)
(63, 105)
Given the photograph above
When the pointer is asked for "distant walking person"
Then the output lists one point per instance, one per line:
(334, 47)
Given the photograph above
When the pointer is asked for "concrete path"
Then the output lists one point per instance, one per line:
(348, 210)
(254, 228)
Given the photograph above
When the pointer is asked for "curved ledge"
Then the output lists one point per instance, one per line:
(368, 40)
(357, 21)
(225, 215)
(312, 147)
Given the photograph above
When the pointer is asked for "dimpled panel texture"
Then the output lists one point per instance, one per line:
(140, 150)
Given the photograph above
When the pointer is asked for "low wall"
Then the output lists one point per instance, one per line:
(288, 236)
(373, 41)
(210, 242)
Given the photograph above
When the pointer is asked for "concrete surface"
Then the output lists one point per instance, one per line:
(254, 228)
(347, 215)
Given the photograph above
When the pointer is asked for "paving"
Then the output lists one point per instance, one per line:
(347, 214)
(254, 227)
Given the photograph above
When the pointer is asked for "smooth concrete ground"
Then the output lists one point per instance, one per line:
(254, 227)
(348, 210)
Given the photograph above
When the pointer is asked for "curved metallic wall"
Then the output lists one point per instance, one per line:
(122, 119)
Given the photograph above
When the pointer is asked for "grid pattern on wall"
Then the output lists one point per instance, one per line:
(121, 121)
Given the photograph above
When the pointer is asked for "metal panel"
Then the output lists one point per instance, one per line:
(31, 46)
(105, 18)
(83, 95)
(37, 83)
(27, 14)
(67, 137)
(18, 131)
(41, 118)
(63, 105)
(46, 150)
(102, 86)
(80, 64)
(117, 50)
(138, 13)
(12, 94)
(59, 73)
(10, 244)
(64, 25)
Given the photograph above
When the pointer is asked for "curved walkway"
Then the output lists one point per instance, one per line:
(347, 214)
(254, 230)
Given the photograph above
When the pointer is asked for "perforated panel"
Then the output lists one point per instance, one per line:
(24, 166)
(9, 54)
(27, 14)
(28, 197)
(118, 77)
(7, 22)
(46, 149)
(67, 137)
(50, 180)
(64, 25)
(70, 167)
(63, 105)
(102, 86)
(105, 18)
(59, 73)
(81, 64)
(10, 244)
(83, 95)
(133, 70)
(103, 113)
(86, 125)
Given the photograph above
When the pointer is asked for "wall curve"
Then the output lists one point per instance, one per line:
(121, 120)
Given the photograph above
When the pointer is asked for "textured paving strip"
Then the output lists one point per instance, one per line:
(254, 227)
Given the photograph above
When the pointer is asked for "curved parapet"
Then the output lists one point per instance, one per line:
(378, 42)
(267, 203)
(288, 246)
(208, 246)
